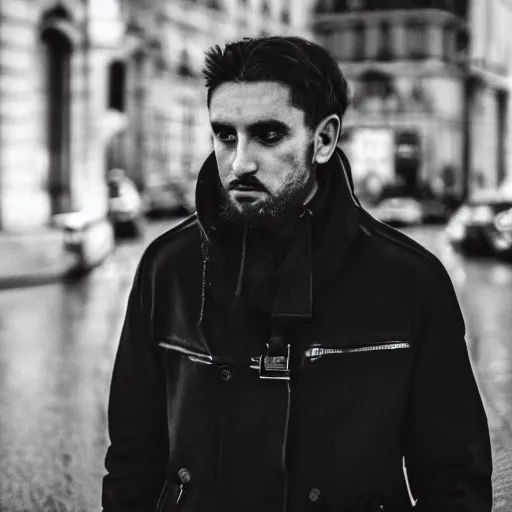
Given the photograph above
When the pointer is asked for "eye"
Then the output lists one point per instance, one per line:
(270, 136)
(226, 136)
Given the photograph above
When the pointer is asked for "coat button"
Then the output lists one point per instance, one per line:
(314, 495)
(225, 372)
(184, 475)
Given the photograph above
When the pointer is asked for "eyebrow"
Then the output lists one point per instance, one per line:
(267, 124)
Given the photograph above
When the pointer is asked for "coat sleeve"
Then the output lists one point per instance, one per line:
(137, 456)
(447, 445)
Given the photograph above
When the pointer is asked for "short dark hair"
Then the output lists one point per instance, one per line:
(317, 85)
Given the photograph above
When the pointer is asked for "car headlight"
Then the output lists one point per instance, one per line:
(502, 241)
(503, 221)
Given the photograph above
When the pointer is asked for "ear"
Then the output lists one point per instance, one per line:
(326, 138)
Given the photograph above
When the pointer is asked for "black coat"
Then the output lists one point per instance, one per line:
(378, 371)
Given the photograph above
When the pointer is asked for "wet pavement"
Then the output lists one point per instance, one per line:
(58, 342)
(57, 346)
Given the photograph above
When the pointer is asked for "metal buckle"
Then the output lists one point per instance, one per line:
(275, 367)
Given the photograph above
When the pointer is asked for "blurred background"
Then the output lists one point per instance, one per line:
(103, 128)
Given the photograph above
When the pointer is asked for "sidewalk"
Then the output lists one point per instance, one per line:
(42, 256)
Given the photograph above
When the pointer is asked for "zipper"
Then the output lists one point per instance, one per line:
(196, 357)
(316, 352)
(185, 477)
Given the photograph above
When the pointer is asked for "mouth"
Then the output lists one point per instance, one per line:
(246, 188)
(247, 184)
(246, 194)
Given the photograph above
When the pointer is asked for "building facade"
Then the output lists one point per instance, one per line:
(168, 134)
(488, 93)
(419, 119)
(88, 85)
(53, 124)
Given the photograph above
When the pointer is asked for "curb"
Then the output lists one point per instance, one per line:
(69, 275)
(10, 283)
(53, 256)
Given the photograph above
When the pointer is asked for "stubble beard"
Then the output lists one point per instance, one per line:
(271, 212)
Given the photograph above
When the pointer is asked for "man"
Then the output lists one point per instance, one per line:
(283, 350)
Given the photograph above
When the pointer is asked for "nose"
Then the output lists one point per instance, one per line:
(244, 162)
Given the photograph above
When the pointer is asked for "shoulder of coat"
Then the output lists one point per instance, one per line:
(411, 251)
(174, 241)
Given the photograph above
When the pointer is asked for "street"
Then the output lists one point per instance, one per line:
(58, 342)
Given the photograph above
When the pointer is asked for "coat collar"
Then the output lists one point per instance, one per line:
(325, 232)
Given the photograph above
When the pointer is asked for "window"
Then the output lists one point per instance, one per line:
(184, 68)
(162, 142)
(214, 4)
(461, 8)
(187, 141)
(117, 80)
(461, 41)
(160, 65)
(265, 9)
(323, 6)
(417, 39)
(385, 46)
(356, 4)
(448, 42)
(377, 83)
(359, 41)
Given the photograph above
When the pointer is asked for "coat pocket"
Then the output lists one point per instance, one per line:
(315, 352)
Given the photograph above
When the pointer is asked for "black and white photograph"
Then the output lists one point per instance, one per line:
(255, 255)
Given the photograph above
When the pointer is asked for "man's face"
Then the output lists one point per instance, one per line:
(263, 150)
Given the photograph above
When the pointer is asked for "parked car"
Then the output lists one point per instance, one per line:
(88, 240)
(167, 200)
(163, 200)
(397, 207)
(501, 234)
(398, 211)
(472, 227)
(435, 211)
(125, 205)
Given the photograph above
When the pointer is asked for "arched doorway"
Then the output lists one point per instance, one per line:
(57, 51)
